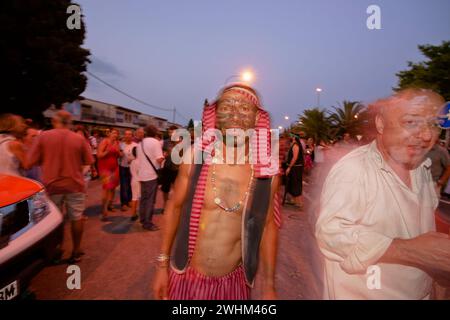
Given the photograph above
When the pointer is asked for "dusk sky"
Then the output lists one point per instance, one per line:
(177, 53)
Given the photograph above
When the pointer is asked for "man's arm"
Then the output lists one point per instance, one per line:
(295, 154)
(86, 157)
(443, 179)
(158, 153)
(429, 252)
(102, 149)
(16, 148)
(172, 210)
(171, 218)
(34, 154)
(269, 246)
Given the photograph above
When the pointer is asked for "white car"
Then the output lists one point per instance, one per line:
(31, 229)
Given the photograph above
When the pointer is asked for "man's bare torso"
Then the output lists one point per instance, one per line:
(218, 247)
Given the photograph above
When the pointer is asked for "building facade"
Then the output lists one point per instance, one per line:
(100, 115)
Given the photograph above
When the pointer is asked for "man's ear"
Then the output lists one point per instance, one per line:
(379, 124)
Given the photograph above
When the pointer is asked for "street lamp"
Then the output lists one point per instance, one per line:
(318, 90)
(286, 117)
(246, 76)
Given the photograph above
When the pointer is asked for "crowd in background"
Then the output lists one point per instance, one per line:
(67, 157)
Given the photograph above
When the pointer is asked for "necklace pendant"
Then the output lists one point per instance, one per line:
(217, 200)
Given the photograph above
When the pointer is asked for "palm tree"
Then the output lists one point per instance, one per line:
(315, 123)
(348, 117)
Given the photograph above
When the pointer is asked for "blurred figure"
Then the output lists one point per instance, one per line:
(139, 135)
(12, 153)
(108, 154)
(440, 166)
(135, 184)
(159, 137)
(82, 131)
(126, 147)
(377, 208)
(319, 153)
(169, 170)
(61, 154)
(309, 155)
(150, 156)
(294, 171)
(28, 140)
(94, 141)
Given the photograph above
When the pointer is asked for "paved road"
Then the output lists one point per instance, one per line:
(119, 256)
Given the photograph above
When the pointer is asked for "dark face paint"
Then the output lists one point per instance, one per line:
(235, 111)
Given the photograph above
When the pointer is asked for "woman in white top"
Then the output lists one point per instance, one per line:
(135, 185)
(12, 154)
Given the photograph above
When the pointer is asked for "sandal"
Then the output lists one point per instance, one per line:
(76, 257)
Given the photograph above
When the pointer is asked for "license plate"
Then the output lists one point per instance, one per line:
(10, 291)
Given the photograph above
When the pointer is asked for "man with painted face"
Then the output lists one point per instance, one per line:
(376, 225)
(223, 214)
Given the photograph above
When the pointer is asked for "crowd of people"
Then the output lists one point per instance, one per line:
(65, 158)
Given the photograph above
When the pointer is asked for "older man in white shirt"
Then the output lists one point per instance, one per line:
(376, 222)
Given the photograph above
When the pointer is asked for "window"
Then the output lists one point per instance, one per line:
(119, 116)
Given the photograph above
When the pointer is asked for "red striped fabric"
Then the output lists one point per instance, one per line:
(192, 285)
(277, 209)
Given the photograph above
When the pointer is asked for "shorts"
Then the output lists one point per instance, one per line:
(73, 202)
(168, 178)
(135, 189)
(192, 285)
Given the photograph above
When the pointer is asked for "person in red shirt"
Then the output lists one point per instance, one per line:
(62, 153)
(108, 154)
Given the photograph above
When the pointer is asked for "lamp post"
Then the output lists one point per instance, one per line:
(318, 90)
(286, 117)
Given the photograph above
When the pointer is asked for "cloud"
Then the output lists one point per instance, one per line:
(101, 67)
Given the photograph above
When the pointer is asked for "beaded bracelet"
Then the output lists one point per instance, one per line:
(162, 257)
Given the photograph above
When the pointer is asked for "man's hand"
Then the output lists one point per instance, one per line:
(161, 284)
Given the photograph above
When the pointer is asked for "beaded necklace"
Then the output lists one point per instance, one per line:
(219, 202)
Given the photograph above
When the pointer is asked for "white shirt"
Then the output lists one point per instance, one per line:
(364, 206)
(134, 169)
(127, 153)
(9, 164)
(153, 150)
(319, 156)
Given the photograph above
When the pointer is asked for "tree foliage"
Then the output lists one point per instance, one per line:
(315, 123)
(42, 59)
(348, 117)
(434, 73)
